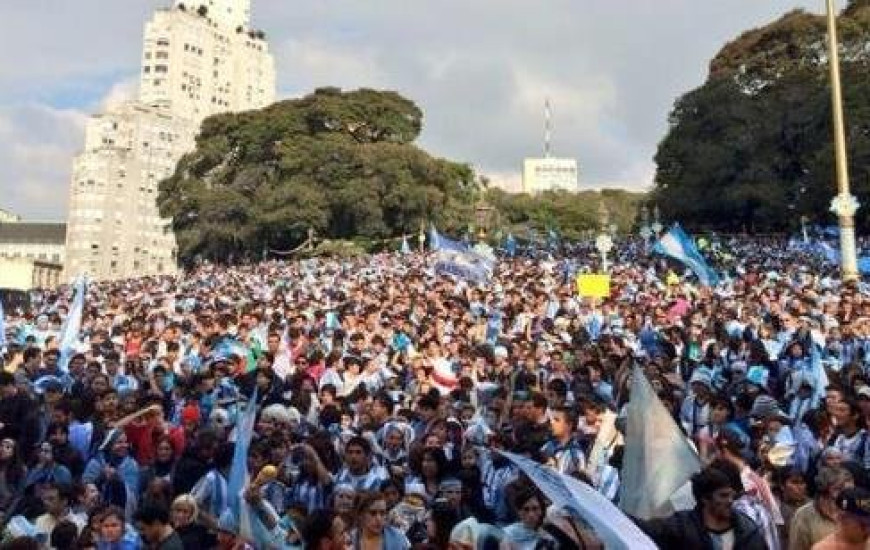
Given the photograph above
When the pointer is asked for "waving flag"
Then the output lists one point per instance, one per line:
(405, 248)
(239, 475)
(677, 245)
(658, 461)
(614, 529)
(456, 259)
(72, 326)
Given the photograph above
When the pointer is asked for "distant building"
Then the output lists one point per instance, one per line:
(33, 241)
(198, 59)
(8, 217)
(26, 274)
(550, 174)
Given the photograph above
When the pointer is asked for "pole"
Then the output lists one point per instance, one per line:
(843, 205)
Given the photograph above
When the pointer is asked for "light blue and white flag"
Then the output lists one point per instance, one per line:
(406, 249)
(458, 260)
(239, 475)
(615, 530)
(679, 246)
(659, 460)
(69, 335)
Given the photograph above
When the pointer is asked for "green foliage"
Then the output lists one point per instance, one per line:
(752, 147)
(342, 163)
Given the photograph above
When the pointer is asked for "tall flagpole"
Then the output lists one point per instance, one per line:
(844, 204)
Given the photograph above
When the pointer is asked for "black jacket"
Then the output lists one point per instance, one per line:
(685, 530)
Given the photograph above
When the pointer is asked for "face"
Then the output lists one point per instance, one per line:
(164, 451)
(531, 513)
(719, 414)
(121, 446)
(560, 425)
(795, 488)
(53, 502)
(375, 517)
(394, 440)
(7, 449)
(182, 515)
(344, 502)
(428, 466)
(92, 496)
(112, 529)
(719, 503)
(355, 458)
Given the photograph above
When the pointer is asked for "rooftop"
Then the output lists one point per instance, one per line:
(33, 232)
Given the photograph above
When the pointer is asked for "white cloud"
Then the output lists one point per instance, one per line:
(121, 92)
(479, 69)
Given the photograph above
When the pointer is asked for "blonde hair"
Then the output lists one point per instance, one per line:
(188, 501)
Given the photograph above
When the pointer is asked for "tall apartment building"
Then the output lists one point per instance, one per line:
(198, 59)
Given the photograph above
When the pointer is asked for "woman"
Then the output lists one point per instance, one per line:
(343, 499)
(115, 472)
(428, 470)
(161, 468)
(526, 533)
(311, 486)
(114, 532)
(11, 472)
(45, 469)
(372, 531)
(183, 515)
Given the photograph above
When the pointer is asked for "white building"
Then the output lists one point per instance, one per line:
(198, 59)
(550, 174)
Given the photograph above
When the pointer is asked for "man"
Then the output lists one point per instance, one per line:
(853, 524)
(358, 471)
(324, 530)
(712, 524)
(152, 522)
(563, 451)
(817, 519)
(56, 500)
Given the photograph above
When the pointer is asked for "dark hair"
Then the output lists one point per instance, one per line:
(384, 399)
(360, 441)
(149, 514)
(708, 481)
(65, 535)
(570, 415)
(317, 527)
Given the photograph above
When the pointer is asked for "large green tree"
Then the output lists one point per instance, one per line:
(341, 163)
(752, 147)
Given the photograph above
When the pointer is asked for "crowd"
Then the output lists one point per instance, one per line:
(384, 392)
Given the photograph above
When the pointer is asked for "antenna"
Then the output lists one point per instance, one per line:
(548, 127)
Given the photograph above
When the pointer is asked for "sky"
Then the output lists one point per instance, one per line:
(480, 70)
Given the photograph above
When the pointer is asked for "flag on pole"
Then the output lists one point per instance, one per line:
(239, 475)
(678, 245)
(406, 249)
(658, 460)
(72, 326)
(615, 530)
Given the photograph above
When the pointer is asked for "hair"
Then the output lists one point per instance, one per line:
(149, 514)
(364, 500)
(360, 441)
(570, 414)
(416, 461)
(830, 476)
(708, 481)
(186, 500)
(64, 535)
(384, 399)
(316, 527)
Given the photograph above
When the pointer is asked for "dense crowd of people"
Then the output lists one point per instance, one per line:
(384, 392)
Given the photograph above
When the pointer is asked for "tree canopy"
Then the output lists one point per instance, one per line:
(752, 147)
(341, 163)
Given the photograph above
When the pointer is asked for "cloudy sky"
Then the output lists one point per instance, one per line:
(480, 69)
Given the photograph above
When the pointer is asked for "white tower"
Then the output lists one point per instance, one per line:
(198, 59)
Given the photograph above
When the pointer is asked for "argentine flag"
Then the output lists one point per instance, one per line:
(679, 246)
(405, 248)
(72, 326)
(510, 245)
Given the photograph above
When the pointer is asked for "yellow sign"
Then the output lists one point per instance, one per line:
(593, 286)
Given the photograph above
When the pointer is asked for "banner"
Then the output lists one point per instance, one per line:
(593, 286)
(615, 530)
(677, 245)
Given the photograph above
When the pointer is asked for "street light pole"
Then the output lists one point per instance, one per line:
(844, 204)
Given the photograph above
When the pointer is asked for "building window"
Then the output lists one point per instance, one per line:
(162, 55)
(146, 69)
(162, 41)
(160, 68)
(157, 82)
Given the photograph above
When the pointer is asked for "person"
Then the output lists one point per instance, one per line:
(183, 516)
(371, 531)
(563, 451)
(713, 524)
(154, 526)
(853, 522)
(113, 531)
(324, 530)
(359, 470)
(526, 533)
(817, 519)
(56, 498)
